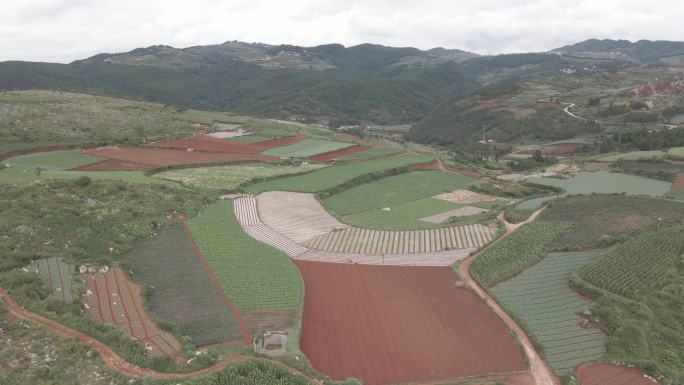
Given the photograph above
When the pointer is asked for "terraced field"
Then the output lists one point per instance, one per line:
(56, 275)
(367, 241)
(254, 275)
(307, 148)
(394, 190)
(54, 160)
(332, 176)
(541, 299)
(184, 295)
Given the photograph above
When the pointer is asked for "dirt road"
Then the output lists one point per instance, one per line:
(111, 359)
(542, 374)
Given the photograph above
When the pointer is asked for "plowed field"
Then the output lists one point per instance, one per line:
(394, 324)
(679, 182)
(607, 374)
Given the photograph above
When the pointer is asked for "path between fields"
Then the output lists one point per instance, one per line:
(111, 358)
(542, 374)
(573, 115)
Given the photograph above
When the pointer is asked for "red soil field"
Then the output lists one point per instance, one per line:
(395, 324)
(434, 165)
(165, 157)
(278, 142)
(114, 165)
(207, 144)
(608, 374)
(115, 300)
(487, 104)
(328, 156)
(679, 182)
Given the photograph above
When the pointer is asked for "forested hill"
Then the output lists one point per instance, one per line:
(364, 83)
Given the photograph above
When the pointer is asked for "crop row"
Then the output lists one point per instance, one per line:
(548, 309)
(255, 275)
(639, 265)
(56, 275)
(520, 250)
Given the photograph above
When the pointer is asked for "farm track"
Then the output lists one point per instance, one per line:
(541, 372)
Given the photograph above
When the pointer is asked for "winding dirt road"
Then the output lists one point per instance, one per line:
(541, 372)
(111, 359)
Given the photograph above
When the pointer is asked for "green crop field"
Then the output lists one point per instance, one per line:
(185, 294)
(401, 217)
(253, 274)
(639, 265)
(634, 155)
(53, 160)
(232, 176)
(520, 250)
(307, 147)
(595, 216)
(604, 182)
(375, 152)
(394, 191)
(540, 298)
(22, 176)
(534, 203)
(676, 153)
(56, 275)
(332, 176)
(13, 146)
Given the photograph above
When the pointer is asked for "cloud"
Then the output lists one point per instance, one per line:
(65, 30)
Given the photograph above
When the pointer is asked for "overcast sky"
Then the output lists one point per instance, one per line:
(65, 30)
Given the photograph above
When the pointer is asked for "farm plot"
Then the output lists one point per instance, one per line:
(337, 154)
(639, 265)
(167, 157)
(298, 216)
(541, 299)
(594, 216)
(114, 165)
(355, 240)
(254, 275)
(332, 176)
(676, 153)
(679, 182)
(597, 166)
(112, 299)
(520, 250)
(206, 143)
(609, 374)
(393, 191)
(604, 182)
(465, 211)
(182, 291)
(53, 160)
(634, 155)
(232, 176)
(392, 324)
(307, 148)
(466, 197)
(22, 176)
(56, 275)
(402, 217)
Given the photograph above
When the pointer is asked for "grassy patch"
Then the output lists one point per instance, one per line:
(53, 160)
(332, 176)
(394, 190)
(676, 153)
(604, 182)
(255, 275)
(307, 147)
(232, 176)
(401, 217)
(520, 250)
(634, 155)
(22, 176)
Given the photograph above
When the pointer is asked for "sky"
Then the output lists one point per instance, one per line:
(66, 30)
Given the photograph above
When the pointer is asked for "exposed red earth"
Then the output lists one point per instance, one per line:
(395, 324)
(487, 104)
(328, 156)
(166, 157)
(679, 182)
(113, 299)
(205, 143)
(609, 374)
(114, 165)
